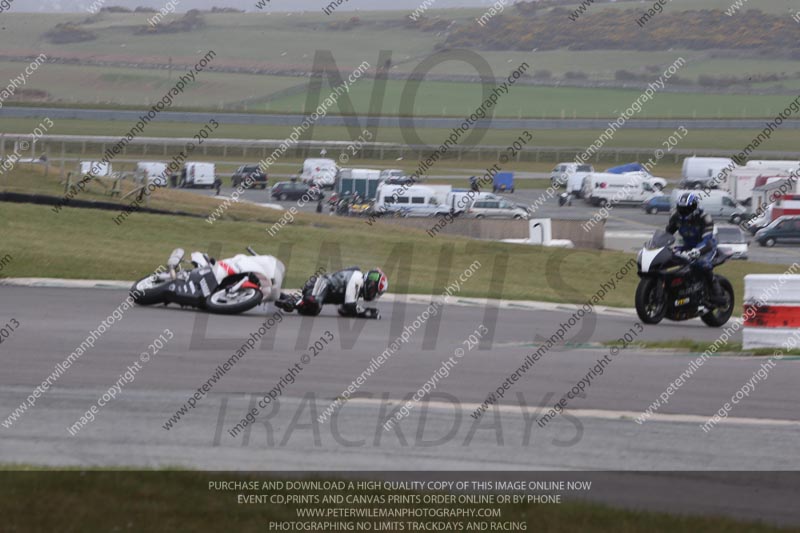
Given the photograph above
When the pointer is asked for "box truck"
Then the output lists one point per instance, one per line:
(363, 181)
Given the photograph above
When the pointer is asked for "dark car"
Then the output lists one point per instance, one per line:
(656, 204)
(257, 177)
(785, 229)
(294, 190)
(399, 180)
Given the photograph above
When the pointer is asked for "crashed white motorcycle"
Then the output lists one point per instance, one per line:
(229, 287)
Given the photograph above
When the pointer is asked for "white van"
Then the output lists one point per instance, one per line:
(570, 175)
(198, 175)
(320, 172)
(416, 200)
(97, 169)
(603, 188)
(151, 172)
(697, 171)
(717, 203)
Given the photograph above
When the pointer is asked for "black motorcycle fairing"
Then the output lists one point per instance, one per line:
(194, 290)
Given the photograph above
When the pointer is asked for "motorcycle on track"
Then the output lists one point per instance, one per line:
(670, 288)
(227, 287)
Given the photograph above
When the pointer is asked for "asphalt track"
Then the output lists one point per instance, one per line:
(389, 122)
(598, 432)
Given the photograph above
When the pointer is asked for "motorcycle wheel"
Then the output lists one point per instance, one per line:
(720, 316)
(648, 311)
(149, 291)
(243, 300)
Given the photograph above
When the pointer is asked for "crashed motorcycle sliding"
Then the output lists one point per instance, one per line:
(229, 286)
(670, 288)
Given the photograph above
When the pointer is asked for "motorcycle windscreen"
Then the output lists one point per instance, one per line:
(660, 239)
(175, 258)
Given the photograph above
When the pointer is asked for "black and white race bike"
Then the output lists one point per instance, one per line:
(230, 286)
(670, 288)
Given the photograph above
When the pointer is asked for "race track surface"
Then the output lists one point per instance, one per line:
(598, 431)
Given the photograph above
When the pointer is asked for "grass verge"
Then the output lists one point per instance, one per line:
(89, 501)
(694, 346)
(87, 244)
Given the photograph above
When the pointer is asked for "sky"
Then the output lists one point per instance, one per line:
(44, 6)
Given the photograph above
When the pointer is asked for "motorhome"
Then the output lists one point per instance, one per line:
(320, 172)
(772, 200)
(198, 175)
(715, 202)
(603, 188)
(766, 164)
(151, 172)
(741, 182)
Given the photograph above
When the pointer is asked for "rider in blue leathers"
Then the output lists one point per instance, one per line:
(699, 244)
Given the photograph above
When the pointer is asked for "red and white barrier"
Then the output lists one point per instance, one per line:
(771, 311)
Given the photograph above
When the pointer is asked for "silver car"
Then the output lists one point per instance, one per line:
(496, 208)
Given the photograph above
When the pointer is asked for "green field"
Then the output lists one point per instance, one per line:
(142, 88)
(461, 99)
(293, 39)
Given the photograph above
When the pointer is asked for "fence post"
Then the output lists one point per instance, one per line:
(63, 155)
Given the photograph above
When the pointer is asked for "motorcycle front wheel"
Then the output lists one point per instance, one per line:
(224, 303)
(149, 291)
(649, 310)
(720, 316)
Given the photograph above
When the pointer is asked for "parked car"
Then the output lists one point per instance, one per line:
(399, 180)
(656, 204)
(732, 240)
(496, 209)
(257, 177)
(785, 229)
(293, 190)
(395, 177)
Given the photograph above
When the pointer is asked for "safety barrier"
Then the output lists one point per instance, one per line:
(771, 310)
